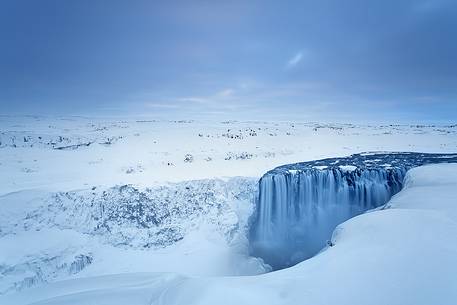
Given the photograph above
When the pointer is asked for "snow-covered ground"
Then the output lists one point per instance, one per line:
(82, 198)
(72, 153)
(402, 254)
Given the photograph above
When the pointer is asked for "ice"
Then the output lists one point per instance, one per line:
(348, 168)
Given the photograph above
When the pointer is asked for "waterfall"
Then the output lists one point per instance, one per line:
(299, 205)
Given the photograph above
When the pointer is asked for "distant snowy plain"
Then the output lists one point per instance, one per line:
(72, 208)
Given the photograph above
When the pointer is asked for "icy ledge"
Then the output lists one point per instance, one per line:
(402, 255)
(300, 204)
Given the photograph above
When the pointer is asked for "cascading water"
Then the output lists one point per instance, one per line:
(300, 205)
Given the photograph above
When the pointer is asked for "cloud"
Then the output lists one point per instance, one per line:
(162, 105)
(225, 99)
(225, 93)
(295, 60)
(213, 99)
(192, 99)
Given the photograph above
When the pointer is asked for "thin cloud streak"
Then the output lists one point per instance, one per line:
(295, 60)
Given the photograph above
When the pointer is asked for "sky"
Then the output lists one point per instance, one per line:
(286, 60)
